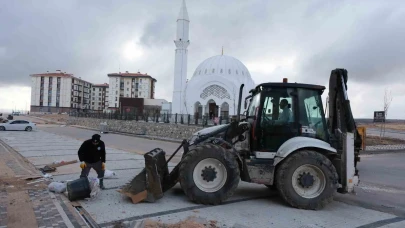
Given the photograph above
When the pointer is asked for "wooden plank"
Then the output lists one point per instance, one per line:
(62, 164)
(135, 198)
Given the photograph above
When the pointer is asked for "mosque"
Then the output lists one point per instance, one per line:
(214, 86)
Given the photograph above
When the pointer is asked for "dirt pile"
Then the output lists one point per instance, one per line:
(54, 117)
(187, 223)
(375, 140)
(190, 222)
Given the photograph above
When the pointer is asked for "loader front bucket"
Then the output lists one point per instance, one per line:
(151, 182)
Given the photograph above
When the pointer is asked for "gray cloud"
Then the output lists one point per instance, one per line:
(87, 37)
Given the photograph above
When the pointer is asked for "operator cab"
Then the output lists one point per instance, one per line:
(278, 112)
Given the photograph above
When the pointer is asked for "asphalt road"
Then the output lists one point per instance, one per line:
(382, 183)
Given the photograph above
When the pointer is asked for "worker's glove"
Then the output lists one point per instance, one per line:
(103, 166)
(83, 165)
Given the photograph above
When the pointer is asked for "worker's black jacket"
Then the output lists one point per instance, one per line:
(91, 153)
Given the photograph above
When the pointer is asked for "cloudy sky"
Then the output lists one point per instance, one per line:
(301, 40)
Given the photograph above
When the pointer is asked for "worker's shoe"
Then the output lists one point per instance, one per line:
(102, 184)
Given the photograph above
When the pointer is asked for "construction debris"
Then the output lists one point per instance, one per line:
(52, 167)
(58, 187)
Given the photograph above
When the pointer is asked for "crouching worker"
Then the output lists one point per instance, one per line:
(92, 155)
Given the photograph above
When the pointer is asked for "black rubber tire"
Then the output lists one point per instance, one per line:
(28, 128)
(2, 128)
(284, 183)
(188, 164)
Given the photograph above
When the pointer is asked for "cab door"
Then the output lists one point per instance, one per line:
(277, 122)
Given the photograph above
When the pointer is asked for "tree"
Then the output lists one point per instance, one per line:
(387, 103)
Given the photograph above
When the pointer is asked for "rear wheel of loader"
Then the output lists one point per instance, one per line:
(209, 174)
(307, 180)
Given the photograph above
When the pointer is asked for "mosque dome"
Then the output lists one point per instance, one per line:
(223, 65)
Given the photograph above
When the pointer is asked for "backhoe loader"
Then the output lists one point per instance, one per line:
(283, 140)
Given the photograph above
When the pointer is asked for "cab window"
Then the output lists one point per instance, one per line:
(253, 105)
(278, 107)
(312, 118)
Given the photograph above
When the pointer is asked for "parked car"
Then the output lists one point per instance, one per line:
(17, 125)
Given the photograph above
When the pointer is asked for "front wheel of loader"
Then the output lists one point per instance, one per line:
(209, 174)
(307, 180)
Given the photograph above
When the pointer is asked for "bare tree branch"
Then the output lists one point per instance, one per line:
(387, 103)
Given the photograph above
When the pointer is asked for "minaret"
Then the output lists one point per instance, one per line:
(180, 62)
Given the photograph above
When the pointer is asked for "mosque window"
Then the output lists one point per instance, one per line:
(216, 91)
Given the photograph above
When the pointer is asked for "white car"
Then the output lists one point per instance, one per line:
(17, 125)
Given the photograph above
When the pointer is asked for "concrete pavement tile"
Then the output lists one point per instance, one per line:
(271, 213)
(120, 206)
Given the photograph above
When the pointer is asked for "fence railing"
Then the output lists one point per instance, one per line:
(186, 119)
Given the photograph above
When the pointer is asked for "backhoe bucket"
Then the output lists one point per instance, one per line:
(149, 184)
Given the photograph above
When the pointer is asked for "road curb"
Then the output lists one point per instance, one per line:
(368, 152)
(133, 135)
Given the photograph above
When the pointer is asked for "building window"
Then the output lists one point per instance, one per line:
(116, 92)
(213, 70)
(116, 99)
(229, 71)
(221, 71)
(94, 89)
(99, 94)
(236, 72)
(92, 103)
(127, 89)
(205, 71)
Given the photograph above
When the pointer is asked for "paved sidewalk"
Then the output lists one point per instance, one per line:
(30, 205)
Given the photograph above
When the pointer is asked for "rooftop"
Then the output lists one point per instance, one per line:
(58, 74)
(50, 74)
(101, 85)
(129, 74)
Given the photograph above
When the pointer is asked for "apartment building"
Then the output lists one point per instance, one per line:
(129, 85)
(99, 97)
(59, 92)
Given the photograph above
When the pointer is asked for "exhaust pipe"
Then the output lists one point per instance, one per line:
(240, 100)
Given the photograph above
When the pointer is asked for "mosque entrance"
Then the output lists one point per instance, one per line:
(212, 109)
